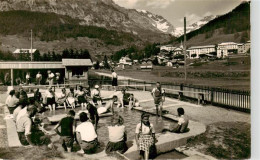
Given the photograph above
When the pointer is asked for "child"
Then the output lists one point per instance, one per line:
(71, 99)
(67, 125)
(81, 98)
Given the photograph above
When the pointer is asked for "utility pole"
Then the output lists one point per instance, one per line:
(31, 46)
(184, 49)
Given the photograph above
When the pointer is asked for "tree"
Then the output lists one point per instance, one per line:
(155, 61)
(65, 53)
(194, 55)
(37, 56)
(106, 65)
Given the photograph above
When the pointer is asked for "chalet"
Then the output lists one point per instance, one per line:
(178, 51)
(125, 61)
(24, 51)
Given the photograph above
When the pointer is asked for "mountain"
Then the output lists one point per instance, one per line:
(233, 26)
(100, 13)
(158, 21)
(180, 30)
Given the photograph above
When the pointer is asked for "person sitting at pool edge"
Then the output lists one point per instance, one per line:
(86, 135)
(93, 114)
(125, 98)
(27, 131)
(67, 125)
(182, 125)
(109, 106)
(117, 135)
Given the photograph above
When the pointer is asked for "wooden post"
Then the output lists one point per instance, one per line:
(12, 77)
(184, 49)
(212, 96)
(144, 86)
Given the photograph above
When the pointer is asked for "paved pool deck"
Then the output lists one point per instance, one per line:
(200, 116)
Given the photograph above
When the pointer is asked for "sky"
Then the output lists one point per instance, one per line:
(175, 10)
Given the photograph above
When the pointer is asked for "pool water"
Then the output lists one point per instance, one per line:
(131, 119)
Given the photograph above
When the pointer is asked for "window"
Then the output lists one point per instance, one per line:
(77, 71)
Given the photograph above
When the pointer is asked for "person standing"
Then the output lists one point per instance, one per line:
(96, 96)
(28, 78)
(159, 98)
(114, 79)
(50, 77)
(38, 78)
(67, 132)
(93, 114)
(7, 79)
(145, 136)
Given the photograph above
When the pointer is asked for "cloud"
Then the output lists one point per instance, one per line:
(159, 3)
(148, 3)
(191, 18)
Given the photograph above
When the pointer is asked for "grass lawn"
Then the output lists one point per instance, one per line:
(229, 74)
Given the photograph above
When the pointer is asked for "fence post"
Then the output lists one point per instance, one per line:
(144, 86)
(181, 93)
(212, 95)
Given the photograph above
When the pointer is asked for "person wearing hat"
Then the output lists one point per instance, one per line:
(117, 135)
(86, 135)
(145, 135)
(96, 96)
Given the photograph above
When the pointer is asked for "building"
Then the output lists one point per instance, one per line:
(240, 48)
(196, 51)
(247, 46)
(76, 70)
(125, 61)
(225, 48)
(73, 70)
(168, 48)
(24, 51)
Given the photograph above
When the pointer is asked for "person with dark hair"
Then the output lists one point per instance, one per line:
(86, 135)
(28, 132)
(21, 104)
(133, 102)
(182, 125)
(117, 135)
(145, 135)
(7, 79)
(67, 125)
(125, 99)
(50, 95)
(93, 114)
(11, 101)
(71, 101)
(38, 100)
(80, 94)
(159, 98)
(114, 79)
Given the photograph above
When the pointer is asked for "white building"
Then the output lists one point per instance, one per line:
(225, 48)
(198, 50)
(21, 51)
(247, 46)
(125, 61)
(178, 51)
(167, 48)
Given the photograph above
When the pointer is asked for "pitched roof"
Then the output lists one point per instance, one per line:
(18, 51)
(76, 62)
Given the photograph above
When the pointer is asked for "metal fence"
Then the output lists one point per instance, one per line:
(234, 99)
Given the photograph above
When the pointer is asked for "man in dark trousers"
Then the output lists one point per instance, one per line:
(159, 98)
(67, 125)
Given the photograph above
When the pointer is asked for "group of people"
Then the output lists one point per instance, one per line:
(26, 112)
(50, 79)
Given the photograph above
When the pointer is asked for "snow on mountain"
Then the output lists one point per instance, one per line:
(180, 30)
(158, 21)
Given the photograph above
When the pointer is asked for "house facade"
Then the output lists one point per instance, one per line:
(225, 48)
(196, 51)
(168, 48)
